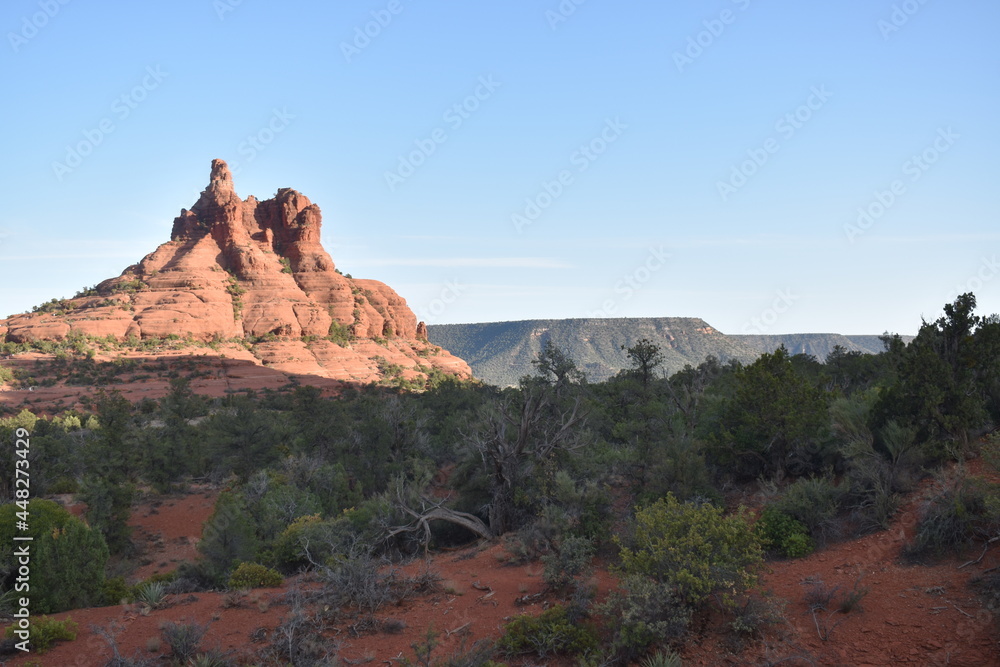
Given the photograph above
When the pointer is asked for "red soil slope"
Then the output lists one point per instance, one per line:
(913, 614)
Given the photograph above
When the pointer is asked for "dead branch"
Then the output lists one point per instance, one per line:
(986, 547)
(449, 633)
(431, 510)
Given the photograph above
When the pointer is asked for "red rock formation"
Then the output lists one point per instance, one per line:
(245, 269)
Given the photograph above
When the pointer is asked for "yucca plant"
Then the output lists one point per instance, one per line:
(661, 659)
(152, 594)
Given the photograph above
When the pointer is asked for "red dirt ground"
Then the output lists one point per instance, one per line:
(913, 614)
(163, 526)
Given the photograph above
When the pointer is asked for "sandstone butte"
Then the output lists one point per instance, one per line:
(254, 272)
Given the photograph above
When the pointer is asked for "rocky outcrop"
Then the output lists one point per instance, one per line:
(245, 269)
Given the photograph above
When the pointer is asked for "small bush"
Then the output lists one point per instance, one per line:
(201, 575)
(45, 631)
(694, 549)
(663, 659)
(851, 600)
(813, 501)
(566, 562)
(644, 612)
(151, 594)
(183, 639)
(477, 655)
(253, 575)
(988, 587)
(959, 511)
(780, 533)
(357, 581)
(819, 596)
(393, 626)
(340, 334)
(757, 614)
(213, 658)
(550, 633)
(115, 591)
(299, 639)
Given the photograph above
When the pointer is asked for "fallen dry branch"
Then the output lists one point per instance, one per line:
(435, 511)
(986, 548)
(449, 633)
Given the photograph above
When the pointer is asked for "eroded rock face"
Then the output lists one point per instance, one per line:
(243, 269)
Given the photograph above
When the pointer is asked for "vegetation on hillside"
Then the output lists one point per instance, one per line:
(343, 486)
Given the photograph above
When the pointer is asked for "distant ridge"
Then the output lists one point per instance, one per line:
(501, 352)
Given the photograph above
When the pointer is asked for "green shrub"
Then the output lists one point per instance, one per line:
(661, 659)
(568, 560)
(213, 658)
(339, 334)
(642, 613)
(227, 538)
(68, 558)
(183, 639)
(960, 510)
(550, 633)
(64, 485)
(813, 501)
(287, 549)
(45, 631)
(115, 590)
(254, 575)
(780, 533)
(68, 569)
(692, 548)
(755, 614)
(44, 516)
(151, 593)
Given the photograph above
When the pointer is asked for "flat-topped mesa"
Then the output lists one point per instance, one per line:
(234, 268)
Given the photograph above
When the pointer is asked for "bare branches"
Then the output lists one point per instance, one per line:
(434, 510)
(514, 438)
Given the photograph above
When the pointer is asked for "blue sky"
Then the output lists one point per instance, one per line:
(512, 160)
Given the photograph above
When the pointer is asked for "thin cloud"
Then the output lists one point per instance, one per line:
(478, 262)
(35, 258)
